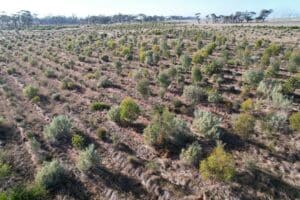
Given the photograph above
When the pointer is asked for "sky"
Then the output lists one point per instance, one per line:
(82, 8)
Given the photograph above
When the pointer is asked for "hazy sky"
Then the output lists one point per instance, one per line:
(153, 7)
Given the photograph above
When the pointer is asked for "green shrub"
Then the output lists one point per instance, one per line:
(81, 58)
(218, 166)
(244, 125)
(149, 58)
(114, 114)
(33, 62)
(68, 84)
(198, 57)
(88, 158)
(143, 87)
(196, 75)
(23, 192)
(194, 94)
(214, 96)
(273, 49)
(50, 175)
(36, 99)
(252, 77)
(164, 129)
(164, 79)
(11, 71)
(78, 141)
(111, 44)
(291, 85)
(49, 73)
(192, 154)
(118, 66)
(105, 58)
(212, 68)
(129, 110)
(295, 121)
(5, 169)
(265, 87)
(95, 106)
(207, 124)
(59, 127)
(273, 123)
(294, 61)
(186, 61)
(278, 100)
(140, 74)
(104, 82)
(273, 69)
(247, 105)
(30, 92)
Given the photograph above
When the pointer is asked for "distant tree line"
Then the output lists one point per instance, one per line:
(25, 19)
(238, 17)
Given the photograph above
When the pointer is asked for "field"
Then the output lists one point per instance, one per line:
(151, 111)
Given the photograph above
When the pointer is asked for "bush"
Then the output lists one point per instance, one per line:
(104, 82)
(11, 71)
(291, 85)
(192, 154)
(278, 100)
(5, 170)
(253, 77)
(244, 125)
(88, 158)
(101, 133)
(212, 68)
(207, 124)
(118, 66)
(111, 44)
(186, 61)
(78, 141)
(59, 127)
(99, 106)
(214, 96)
(140, 74)
(50, 175)
(265, 87)
(218, 166)
(114, 114)
(142, 56)
(294, 61)
(295, 121)
(49, 73)
(68, 84)
(196, 75)
(149, 58)
(164, 129)
(247, 105)
(30, 92)
(129, 110)
(25, 193)
(273, 123)
(273, 69)
(198, 57)
(143, 87)
(105, 58)
(81, 58)
(164, 79)
(194, 94)
(33, 62)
